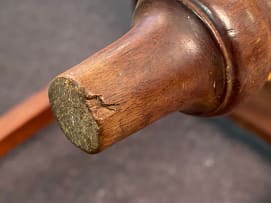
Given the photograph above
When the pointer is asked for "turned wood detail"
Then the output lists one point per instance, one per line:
(198, 57)
(242, 31)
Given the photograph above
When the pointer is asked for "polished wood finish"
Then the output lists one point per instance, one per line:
(242, 30)
(255, 114)
(23, 121)
(199, 57)
(155, 69)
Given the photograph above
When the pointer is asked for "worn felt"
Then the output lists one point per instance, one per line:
(69, 103)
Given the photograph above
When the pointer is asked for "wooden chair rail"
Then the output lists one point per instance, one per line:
(24, 120)
(200, 57)
(255, 114)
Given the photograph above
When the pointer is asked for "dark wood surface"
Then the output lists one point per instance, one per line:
(203, 161)
(153, 70)
(198, 57)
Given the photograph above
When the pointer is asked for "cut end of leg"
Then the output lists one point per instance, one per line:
(68, 101)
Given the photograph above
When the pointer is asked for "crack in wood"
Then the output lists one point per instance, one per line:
(100, 102)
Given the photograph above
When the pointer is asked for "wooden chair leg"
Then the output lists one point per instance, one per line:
(147, 42)
(199, 57)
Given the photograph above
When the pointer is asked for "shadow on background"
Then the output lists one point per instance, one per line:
(234, 131)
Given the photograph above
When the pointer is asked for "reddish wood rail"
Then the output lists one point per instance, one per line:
(24, 120)
(255, 114)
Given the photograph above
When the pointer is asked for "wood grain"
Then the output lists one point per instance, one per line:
(198, 57)
(153, 70)
(23, 121)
